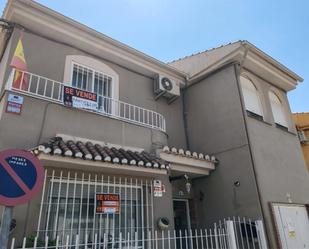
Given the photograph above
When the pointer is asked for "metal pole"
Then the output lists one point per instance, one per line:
(5, 227)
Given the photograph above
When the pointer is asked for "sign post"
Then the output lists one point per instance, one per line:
(5, 227)
(21, 177)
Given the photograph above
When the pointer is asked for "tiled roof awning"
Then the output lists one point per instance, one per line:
(184, 161)
(189, 154)
(100, 153)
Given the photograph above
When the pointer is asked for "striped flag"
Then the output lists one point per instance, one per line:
(19, 62)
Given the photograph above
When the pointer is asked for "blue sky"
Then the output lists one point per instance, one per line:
(169, 29)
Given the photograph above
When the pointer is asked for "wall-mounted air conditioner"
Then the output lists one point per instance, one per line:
(164, 86)
(302, 136)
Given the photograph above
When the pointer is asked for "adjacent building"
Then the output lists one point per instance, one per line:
(179, 145)
(302, 125)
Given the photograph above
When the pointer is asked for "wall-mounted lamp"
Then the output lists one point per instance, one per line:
(187, 181)
(188, 184)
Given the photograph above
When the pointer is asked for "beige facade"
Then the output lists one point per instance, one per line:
(212, 156)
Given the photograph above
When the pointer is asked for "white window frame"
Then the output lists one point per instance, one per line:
(259, 107)
(93, 77)
(283, 120)
(94, 65)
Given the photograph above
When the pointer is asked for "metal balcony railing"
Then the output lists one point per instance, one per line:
(44, 88)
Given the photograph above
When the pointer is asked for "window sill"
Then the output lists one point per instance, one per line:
(255, 116)
(284, 129)
(281, 127)
(258, 118)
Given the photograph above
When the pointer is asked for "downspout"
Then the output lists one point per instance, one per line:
(247, 130)
(185, 113)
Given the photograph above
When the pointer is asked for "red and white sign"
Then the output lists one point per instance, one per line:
(14, 104)
(157, 188)
(107, 203)
(74, 97)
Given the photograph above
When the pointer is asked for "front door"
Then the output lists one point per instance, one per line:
(293, 225)
(182, 221)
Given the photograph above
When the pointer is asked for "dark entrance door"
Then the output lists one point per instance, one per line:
(182, 222)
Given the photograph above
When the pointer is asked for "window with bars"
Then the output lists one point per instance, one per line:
(68, 207)
(94, 81)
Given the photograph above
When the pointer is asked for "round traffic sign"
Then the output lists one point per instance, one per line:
(21, 177)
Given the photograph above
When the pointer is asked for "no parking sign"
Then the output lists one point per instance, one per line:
(21, 177)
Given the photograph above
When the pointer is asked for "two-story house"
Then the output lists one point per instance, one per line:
(177, 146)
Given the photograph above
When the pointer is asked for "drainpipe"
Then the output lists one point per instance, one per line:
(185, 113)
(237, 72)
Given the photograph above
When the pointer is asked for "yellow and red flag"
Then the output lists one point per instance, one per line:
(19, 62)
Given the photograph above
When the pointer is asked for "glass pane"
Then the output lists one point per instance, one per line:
(82, 78)
(109, 82)
(74, 78)
(89, 81)
(100, 85)
(96, 84)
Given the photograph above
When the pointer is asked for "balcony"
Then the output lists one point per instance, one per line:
(40, 87)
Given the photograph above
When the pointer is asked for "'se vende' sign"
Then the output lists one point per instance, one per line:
(77, 98)
(107, 203)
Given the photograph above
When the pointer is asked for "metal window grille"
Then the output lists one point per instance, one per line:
(68, 207)
(87, 79)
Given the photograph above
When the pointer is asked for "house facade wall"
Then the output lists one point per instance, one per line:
(258, 162)
(216, 124)
(41, 120)
(47, 58)
(279, 165)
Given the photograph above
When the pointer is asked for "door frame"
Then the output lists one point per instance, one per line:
(188, 210)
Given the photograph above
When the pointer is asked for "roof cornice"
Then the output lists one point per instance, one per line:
(31, 10)
(272, 61)
(246, 53)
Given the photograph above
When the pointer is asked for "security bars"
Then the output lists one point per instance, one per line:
(67, 208)
(47, 89)
(222, 236)
(187, 239)
(90, 80)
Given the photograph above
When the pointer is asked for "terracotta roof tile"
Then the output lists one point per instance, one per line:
(89, 151)
(190, 154)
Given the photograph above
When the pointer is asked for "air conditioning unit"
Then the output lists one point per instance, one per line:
(164, 86)
(302, 136)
